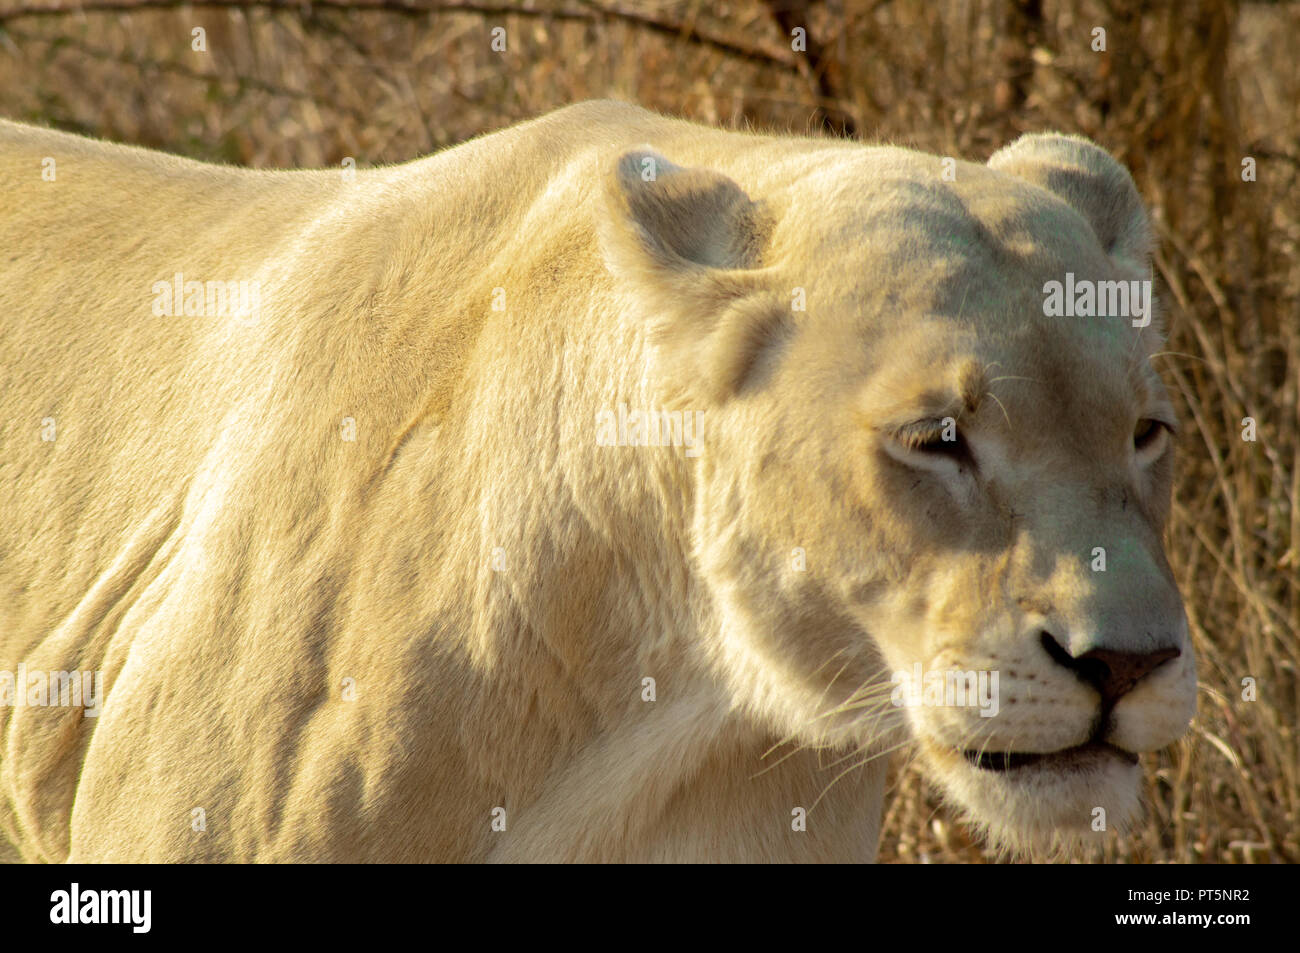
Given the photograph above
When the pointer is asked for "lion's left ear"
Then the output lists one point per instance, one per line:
(685, 243)
(1092, 182)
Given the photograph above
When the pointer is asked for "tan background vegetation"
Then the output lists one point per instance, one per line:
(1184, 91)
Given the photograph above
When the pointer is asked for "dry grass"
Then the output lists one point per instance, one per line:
(1187, 89)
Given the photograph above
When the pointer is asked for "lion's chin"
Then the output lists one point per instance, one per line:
(1042, 804)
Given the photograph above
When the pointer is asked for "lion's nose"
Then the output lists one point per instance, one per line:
(1113, 674)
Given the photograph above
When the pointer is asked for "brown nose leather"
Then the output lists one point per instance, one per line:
(1123, 670)
(1113, 674)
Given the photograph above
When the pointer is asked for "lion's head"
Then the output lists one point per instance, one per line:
(935, 464)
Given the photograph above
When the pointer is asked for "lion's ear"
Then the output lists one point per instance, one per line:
(685, 243)
(1092, 182)
(666, 221)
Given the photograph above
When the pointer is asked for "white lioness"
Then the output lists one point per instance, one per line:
(607, 488)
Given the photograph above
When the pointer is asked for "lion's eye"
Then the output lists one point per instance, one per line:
(937, 442)
(1149, 436)
(930, 440)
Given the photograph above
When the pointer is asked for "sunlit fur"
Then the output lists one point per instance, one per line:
(496, 585)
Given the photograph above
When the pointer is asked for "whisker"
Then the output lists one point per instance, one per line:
(1000, 404)
(853, 767)
(790, 737)
(858, 751)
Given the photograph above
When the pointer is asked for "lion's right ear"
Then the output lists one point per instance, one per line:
(686, 243)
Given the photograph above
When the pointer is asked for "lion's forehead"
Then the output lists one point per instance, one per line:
(918, 248)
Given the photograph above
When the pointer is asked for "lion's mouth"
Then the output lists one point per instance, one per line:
(1065, 758)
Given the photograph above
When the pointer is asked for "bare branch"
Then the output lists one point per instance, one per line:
(591, 13)
(821, 70)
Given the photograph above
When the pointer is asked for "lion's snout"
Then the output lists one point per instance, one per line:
(1112, 673)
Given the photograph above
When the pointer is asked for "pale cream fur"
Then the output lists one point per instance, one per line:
(496, 585)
